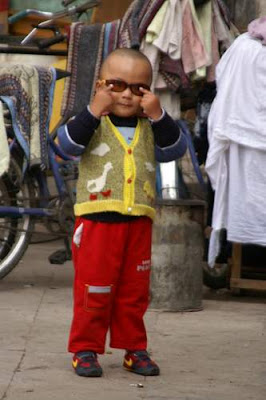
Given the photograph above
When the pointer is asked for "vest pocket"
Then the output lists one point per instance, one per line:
(97, 298)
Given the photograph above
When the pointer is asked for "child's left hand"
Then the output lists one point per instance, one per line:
(150, 104)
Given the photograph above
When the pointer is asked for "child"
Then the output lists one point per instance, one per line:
(117, 136)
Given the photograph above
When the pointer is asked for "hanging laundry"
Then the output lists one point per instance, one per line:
(224, 35)
(136, 20)
(84, 60)
(181, 41)
(194, 54)
(169, 39)
(215, 56)
(169, 69)
(156, 24)
(236, 160)
(204, 15)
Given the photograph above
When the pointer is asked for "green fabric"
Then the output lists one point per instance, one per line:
(141, 160)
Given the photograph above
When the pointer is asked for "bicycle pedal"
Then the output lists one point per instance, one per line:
(60, 257)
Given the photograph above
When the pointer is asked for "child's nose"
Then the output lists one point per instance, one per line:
(127, 92)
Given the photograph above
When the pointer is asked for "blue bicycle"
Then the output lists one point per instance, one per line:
(25, 198)
(25, 191)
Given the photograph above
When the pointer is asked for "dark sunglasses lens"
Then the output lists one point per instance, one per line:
(136, 89)
(118, 86)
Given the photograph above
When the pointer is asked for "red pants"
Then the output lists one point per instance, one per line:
(111, 286)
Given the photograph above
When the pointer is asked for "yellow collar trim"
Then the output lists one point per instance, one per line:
(121, 139)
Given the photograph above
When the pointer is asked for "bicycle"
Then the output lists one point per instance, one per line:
(75, 12)
(25, 196)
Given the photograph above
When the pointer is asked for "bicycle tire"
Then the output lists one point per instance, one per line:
(15, 233)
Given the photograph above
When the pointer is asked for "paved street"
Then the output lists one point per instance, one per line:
(215, 354)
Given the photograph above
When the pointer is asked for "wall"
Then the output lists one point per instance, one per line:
(105, 13)
(47, 5)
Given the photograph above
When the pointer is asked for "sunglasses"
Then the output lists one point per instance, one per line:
(120, 86)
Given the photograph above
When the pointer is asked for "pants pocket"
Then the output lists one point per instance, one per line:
(97, 298)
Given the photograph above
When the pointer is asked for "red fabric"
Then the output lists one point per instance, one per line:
(116, 255)
(4, 5)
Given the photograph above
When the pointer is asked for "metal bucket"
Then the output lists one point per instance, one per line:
(169, 180)
(177, 250)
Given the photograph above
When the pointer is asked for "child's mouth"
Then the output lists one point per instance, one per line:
(126, 105)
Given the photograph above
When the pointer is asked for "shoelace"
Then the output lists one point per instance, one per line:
(142, 355)
(90, 355)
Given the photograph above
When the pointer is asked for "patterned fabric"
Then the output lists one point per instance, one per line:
(28, 92)
(4, 150)
(136, 20)
(173, 69)
(84, 60)
(107, 157)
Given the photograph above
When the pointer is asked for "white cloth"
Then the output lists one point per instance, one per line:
(170, 38)
(4, 149)
(156, 24)
(236, 160)
(170, 101)
(153, 55)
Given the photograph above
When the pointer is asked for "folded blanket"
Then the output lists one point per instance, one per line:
(28, 92)
(84, 60)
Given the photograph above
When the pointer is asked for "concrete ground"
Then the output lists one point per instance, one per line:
(218, 353)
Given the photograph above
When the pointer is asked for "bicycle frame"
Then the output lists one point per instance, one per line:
(51, 17)
(53, 151)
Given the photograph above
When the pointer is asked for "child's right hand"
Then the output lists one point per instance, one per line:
(102, 100)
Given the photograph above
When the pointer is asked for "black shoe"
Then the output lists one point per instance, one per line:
(85, 363)
(140, 363)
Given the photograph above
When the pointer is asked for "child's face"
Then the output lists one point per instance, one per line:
(126, 104)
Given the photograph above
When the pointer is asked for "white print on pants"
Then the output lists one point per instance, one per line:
(77, 235)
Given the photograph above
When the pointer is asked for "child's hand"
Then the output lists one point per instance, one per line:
(150, 104)
(102, 100)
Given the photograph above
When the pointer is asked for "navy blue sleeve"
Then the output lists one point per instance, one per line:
(82, 127)
(170, 141)
(166, 131)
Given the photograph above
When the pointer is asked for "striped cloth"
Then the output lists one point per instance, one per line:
(84, 61)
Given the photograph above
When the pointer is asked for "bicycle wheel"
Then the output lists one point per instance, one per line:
(15, 232)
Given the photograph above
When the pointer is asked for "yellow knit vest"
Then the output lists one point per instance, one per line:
(115, 176)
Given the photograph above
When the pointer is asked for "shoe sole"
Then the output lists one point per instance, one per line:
(155, 373)
(90, 374)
